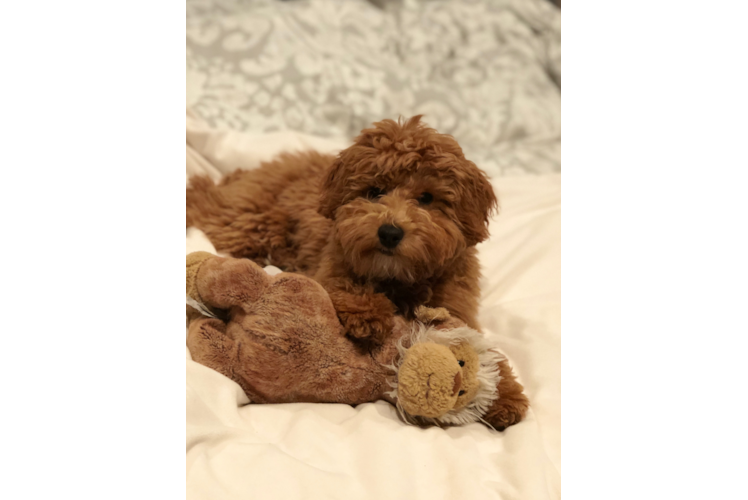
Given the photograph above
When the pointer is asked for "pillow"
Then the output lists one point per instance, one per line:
(487, 72)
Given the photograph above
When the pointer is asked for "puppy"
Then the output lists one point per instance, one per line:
(388, 225)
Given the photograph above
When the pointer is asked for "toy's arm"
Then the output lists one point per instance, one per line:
(511, 406)
(222, 283)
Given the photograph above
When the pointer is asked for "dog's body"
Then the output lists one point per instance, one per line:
(389, 224)
(268, 215)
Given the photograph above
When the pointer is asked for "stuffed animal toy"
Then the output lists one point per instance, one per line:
(280, 339)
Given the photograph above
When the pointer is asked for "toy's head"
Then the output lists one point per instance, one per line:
(445, 376)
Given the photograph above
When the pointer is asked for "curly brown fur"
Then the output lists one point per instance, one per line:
(321, 215)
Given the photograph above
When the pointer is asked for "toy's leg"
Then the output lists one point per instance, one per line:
(209, 345)
(224, 283)
(512, 404)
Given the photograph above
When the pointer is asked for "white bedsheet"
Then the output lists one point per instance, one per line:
(323, 451)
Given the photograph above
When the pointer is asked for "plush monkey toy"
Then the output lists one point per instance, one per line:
(280, 339)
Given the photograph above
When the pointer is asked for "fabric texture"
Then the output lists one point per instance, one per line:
(325, 451)
(486, 71)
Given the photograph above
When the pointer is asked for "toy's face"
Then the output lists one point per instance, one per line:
(467, 358)
(434, 379)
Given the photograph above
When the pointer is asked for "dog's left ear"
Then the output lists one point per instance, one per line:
(478, 204)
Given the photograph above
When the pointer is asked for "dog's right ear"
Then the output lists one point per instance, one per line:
(356, 158)
(331, 192)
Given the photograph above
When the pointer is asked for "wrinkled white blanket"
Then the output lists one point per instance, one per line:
(237, 450)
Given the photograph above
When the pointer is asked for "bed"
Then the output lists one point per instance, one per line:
(265, 77)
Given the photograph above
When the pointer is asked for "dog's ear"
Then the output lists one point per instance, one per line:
(331, 192)
(335, 185)
(478, 204)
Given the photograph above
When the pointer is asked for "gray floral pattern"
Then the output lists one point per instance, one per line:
(487, 72)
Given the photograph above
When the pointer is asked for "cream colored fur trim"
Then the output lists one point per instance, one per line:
(488, 372)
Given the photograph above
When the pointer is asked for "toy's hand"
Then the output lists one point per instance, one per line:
(194, 261)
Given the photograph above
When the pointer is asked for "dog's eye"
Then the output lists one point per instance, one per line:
(374, 193)
(462, 363)
(425, 198)
(461, 393)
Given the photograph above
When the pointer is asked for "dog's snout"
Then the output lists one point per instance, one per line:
(390, 235)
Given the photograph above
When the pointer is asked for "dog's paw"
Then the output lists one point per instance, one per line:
(369, 325)
(368, 317)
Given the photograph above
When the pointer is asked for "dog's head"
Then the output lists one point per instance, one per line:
(405, 201)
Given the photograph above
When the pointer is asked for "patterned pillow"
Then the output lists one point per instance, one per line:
(487, 72)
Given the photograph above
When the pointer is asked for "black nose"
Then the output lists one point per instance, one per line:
(390, 235)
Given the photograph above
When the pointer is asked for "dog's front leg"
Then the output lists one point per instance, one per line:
(458, 290)
(365, 315)
(460, 298)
